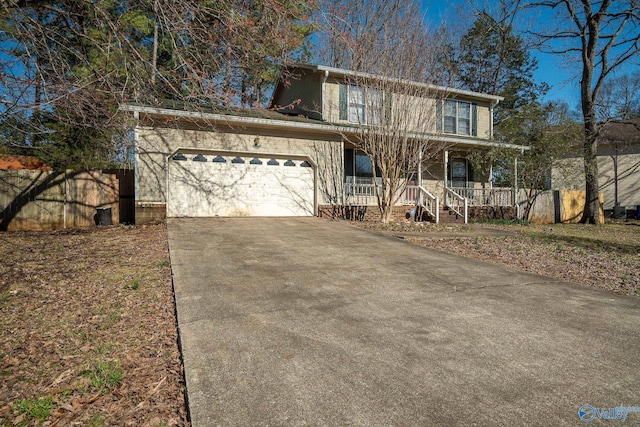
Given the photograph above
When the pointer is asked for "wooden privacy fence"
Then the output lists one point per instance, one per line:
(42, 200)
(557, 206)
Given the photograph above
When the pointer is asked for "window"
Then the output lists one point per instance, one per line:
(363, 167)
(360, 105)
(356, 104)
(459, 118)
(358, 168)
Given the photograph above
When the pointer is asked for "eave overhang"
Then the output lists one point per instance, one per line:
(319, 128)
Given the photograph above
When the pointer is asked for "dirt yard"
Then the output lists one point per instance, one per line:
(602, 256)
(88, 329)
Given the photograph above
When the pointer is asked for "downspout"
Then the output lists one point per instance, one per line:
(492, 105)
(446, 168)
(420, 167)
(324, 80)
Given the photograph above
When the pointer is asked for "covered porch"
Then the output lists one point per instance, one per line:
(446, 184)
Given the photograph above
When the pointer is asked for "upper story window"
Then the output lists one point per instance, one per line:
(458, 118)
(360, 105)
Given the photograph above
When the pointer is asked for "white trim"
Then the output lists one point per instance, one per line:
(303, 126)
(136, 155)
(348, 73)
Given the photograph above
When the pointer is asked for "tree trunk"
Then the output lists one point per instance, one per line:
(591, 213)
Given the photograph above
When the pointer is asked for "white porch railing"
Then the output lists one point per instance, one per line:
(456, 203)
(367, 194)
(360, 194)
(497, 196)
(410, 195)
(429, 203)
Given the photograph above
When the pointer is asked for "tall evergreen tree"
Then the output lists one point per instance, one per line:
(73, 62)
(493, 59)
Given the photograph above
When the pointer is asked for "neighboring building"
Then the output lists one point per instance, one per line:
(618, 168)
(16, 162)
(298, 158)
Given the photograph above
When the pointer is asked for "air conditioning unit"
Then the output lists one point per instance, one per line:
(619, 212)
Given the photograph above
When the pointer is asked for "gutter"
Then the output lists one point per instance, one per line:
(300, 126)
(362, 75)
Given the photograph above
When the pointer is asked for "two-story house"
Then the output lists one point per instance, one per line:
(301, 156)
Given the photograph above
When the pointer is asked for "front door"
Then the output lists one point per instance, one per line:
(459, 173)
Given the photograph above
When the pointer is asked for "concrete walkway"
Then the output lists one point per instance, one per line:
(304, 321)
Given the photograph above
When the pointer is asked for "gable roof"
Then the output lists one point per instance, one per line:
(624, 131)
(344, 74)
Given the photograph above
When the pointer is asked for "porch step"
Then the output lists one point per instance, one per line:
(449, 217)
(446, 216)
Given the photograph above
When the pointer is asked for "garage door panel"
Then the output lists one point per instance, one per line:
(198, 189)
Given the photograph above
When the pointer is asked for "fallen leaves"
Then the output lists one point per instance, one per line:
(76, 306)
(600, 256)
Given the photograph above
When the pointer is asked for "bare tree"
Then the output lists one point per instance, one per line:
(619, 98)
(387, 95)
(72, 64)
(604, 35)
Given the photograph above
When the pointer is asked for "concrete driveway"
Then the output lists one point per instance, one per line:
(308, 322)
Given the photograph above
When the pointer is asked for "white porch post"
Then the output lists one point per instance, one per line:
(446, 167)
(420, 168)
(515, 181)
(491, 175)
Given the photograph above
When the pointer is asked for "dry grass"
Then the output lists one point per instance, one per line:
(89, 332)
(603, 256)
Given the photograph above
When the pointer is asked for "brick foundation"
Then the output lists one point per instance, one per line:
(483, 213)
(362, 213)
(402, 213)
(150, 213)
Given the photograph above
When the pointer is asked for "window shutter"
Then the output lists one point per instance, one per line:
(474, 119)
(388, 99)
(343, 102)
(439, 107)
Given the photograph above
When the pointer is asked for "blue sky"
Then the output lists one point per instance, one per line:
(562, 80)
(561, 73)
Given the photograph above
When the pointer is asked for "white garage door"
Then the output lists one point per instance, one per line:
(205, 185)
